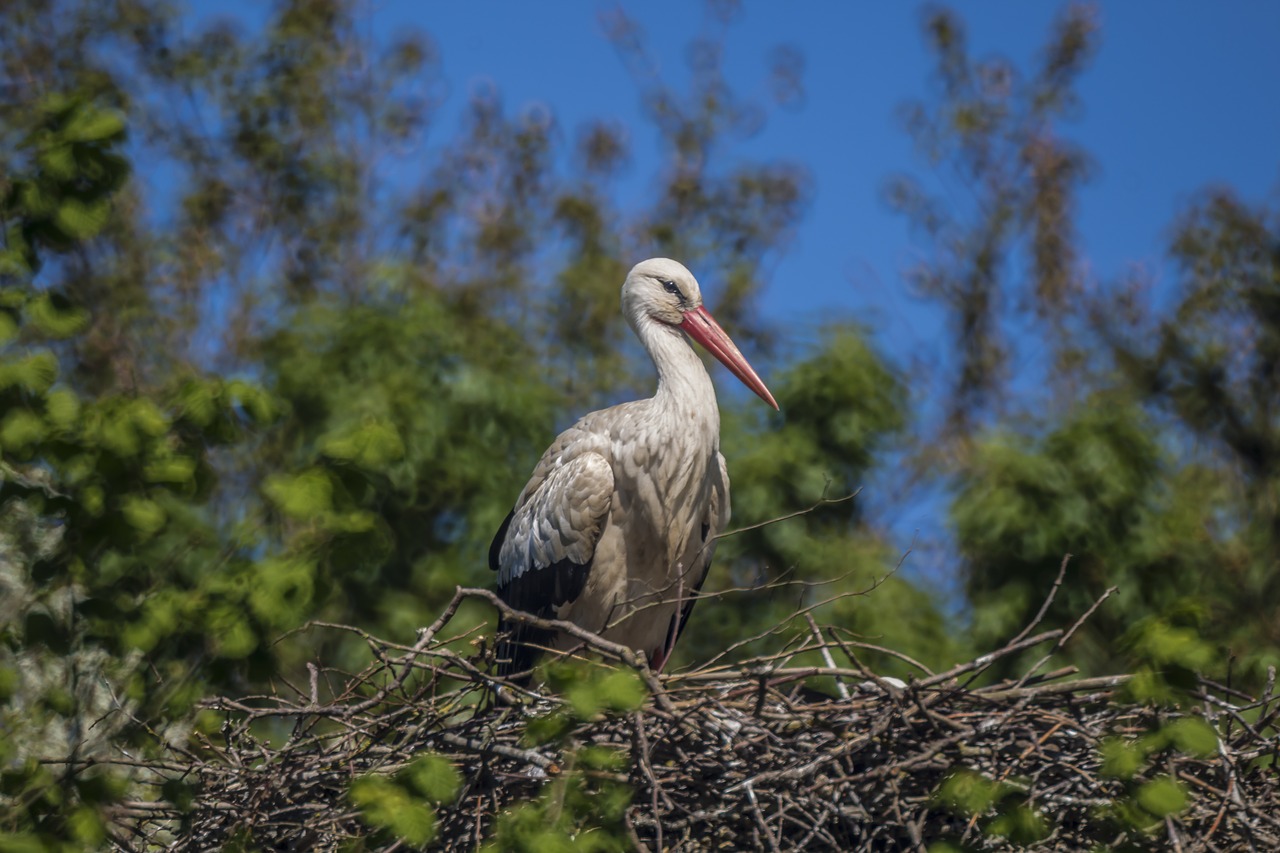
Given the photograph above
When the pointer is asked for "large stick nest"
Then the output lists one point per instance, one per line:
(741, 757)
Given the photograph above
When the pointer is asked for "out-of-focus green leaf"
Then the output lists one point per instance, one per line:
(35, 373)
(172, 469)
(1120, 758)
(1161, 797)
(80, 220)
(282, 591)
(54, 320)
(302, 496)
(230, 634)
(89, 124)
(434, 777)
(372, 445)
(967, 792)
(386, 805)
(143, 514)
(1192, 735)
(62, 408)
(20, 429)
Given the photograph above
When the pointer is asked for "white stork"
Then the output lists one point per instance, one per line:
(616, 528)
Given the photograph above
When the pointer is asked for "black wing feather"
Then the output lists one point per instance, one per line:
(536, 591)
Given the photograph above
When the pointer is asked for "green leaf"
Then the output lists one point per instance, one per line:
(547, 728)
(1021, 824)
(355, 521)
(1193, 736)
(434, 777)
(21, 842)
(603, 758)
(20, 429)
(80, 220)
(1120, 758)
(62, 408)
(89, 124)
(86, 827)
(385, 805)
(58, 162)
(1149, 687)
(93, 499)
(282, 590)
(373, 445)
(117, 433)
(303, 496)
(35, 373)
(171, 469)
(9, 680)
(1161, 797)
(8, 325)
(585, 699)
(54, 320)
(231, 635)
(622, 690)
(148, 417)
(143, 514)
(197, 401)
(255, 401)
(968, 793)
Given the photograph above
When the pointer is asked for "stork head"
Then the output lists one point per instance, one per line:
(663, 291)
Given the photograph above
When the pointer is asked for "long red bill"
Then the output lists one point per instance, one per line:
(702, 327)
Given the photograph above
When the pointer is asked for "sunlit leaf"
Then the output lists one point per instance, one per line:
(1161, 797)
(386, 805)
(434, 777)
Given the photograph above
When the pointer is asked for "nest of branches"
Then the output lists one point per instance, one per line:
(752, 756)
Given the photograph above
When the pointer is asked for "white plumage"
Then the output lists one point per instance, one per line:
(616, 528)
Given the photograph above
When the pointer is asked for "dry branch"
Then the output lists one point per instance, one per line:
(748, 757)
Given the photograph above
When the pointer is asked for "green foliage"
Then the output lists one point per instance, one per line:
(1004, 811)
(583, 806)
(581, 809)
(1147, 798)
(389, 806)
(589, 690)
(841, 407)
(64, 194)
(402, 806)
(1097, 486)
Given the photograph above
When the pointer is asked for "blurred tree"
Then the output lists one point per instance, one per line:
(1003, 262)
(1208, 362)
(260, 365)
(840, 408)
(1154, 458)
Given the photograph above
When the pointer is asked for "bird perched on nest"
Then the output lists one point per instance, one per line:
(616, 527)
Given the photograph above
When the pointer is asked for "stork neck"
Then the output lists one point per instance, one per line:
(683, 382)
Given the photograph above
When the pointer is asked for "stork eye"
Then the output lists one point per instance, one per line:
(670, 287)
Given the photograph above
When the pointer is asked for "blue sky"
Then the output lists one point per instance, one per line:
(1181, 96)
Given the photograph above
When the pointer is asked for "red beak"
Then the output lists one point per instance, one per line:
(702, 327)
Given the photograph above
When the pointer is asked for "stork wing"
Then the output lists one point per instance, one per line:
(543, 551)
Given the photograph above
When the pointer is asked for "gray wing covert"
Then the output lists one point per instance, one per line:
(543, 551)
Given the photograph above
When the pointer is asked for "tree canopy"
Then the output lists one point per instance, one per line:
(261, 366)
